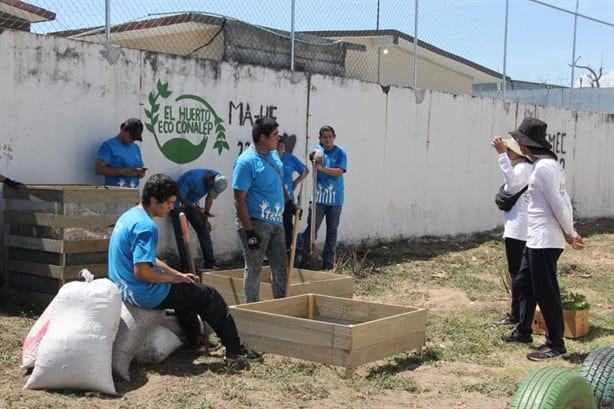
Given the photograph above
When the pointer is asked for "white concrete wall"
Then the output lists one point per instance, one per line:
(417, 164)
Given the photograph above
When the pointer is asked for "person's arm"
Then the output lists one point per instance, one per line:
(299, 179)
(241, 206)
(147, 273)
(334, 172)
(103, 169)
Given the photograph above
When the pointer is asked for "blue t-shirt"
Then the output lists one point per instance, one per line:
(291, 164)
(134, 240)
(118, 155)
(251, 173)
(330, 188)
(192, 185)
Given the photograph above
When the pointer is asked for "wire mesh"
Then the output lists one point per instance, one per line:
(461, 43)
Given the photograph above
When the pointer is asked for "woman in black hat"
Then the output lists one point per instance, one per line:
(550, 227)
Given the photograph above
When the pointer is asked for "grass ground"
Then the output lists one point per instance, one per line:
(464, 364)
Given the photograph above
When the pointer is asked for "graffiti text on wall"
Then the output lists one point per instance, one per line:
(557, 140)
(243, 112)
(188, 120)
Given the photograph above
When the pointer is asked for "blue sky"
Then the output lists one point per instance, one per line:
(539, 43)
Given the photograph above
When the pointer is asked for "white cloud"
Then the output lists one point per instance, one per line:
(606, 80)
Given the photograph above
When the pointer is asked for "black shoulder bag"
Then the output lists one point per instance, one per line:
(505, 201)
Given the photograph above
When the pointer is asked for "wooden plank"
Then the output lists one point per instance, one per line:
(54, 271)
(356, 310)
(57, 220)
(38, 299)
(379, 331)
(57, 246)
(388, 347)
(34, 283)
(73, 194)
(291, 329)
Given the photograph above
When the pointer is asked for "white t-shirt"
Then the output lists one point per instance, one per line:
(515, 221)
(550, 210)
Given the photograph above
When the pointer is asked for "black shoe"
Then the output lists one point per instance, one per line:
(507, 320)
(515, 337)
(546, 352)
(195, 343)
(213, 345)
(242, 355)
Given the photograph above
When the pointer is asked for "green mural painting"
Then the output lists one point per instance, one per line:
(189, 119)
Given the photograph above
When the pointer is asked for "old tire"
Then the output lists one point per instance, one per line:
(553, 388)
(598, 370)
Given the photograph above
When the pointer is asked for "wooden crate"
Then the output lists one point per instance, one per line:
(332, 330)
(576, 323)
(230, 284)
(51, 232)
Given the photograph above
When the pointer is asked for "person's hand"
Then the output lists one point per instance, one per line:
(292, 208)
(578, 243)
(140, 172)
(498, 144)
(253, 239)
(13, 183)
(187, 278)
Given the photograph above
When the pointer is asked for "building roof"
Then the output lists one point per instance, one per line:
(25, 11)
(396, 35)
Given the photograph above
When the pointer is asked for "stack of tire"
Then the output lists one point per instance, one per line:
(558, 388)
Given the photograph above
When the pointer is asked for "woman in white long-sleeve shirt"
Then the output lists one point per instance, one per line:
(516, 168)
(550, 216)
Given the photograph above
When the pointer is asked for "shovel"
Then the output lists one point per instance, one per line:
(297, 215)
(314, 256)
(191, 268)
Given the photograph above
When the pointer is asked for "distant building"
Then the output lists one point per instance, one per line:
(18, 15)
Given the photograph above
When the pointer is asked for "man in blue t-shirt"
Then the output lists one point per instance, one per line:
(259, 200)
(193, 186)
(119, 158)
(291, 164)
(330, 161)
(148, 282)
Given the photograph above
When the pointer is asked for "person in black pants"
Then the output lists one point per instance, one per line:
(550, 227)
(516, 168)
(148, 282)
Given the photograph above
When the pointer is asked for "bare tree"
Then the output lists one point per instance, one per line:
(592, 76)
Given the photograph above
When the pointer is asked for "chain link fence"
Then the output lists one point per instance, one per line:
(462, 44)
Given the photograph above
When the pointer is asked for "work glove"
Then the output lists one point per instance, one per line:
(253, 239)
(291, 206)
(12, 183)
(316, 156)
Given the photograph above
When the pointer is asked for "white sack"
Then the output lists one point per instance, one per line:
(135, 326)
(159, 345)
(76, 350)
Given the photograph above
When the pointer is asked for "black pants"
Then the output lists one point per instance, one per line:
(538, 284)
(190, 300)
(513, 254)
(288, 226)
(204, 237)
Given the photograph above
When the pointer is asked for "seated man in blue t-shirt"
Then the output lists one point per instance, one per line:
(119, 158)
(147, 282)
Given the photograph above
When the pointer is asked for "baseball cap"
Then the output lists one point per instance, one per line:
(134, 127)
(220, 183)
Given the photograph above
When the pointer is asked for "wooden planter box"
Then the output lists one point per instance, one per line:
(331, 330)
(230, 284)
(576, 323)
(51, 232)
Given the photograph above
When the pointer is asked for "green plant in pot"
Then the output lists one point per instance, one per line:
(573, 301)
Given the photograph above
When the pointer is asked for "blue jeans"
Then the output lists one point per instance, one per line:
(273, 244)
(197, 221)
(333, 215)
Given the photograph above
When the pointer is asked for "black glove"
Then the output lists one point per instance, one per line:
(253, 240)
(292, 208)
(12, 183)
